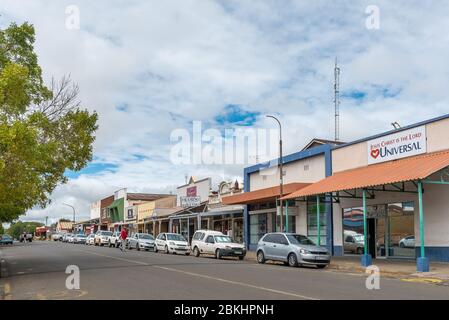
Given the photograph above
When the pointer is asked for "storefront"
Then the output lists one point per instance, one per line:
(389, 195)
(229, 222)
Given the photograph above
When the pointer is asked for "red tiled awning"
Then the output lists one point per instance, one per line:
(408, 169)
(263, 195)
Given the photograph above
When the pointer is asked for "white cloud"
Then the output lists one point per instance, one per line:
(172, 63)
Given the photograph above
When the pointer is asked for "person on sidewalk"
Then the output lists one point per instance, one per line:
(123, 237)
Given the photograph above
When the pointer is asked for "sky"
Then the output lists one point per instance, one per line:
(151, 67)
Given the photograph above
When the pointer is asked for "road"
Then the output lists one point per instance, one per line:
(37, 271)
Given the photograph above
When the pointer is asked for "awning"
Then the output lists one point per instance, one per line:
(263, 195)
(220, 213)
(408, 169)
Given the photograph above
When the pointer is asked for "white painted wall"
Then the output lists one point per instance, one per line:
(95, 209)
(203, 188)
(306, 170)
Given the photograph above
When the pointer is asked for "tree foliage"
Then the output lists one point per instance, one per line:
(43, 131)
(19, 227)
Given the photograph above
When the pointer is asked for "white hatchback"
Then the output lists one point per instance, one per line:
(217, 244)
(172, 243)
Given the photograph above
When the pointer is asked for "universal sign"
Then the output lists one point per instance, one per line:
(398, 145)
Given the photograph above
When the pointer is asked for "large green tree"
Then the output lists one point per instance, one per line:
(43, 130)
(19, 227)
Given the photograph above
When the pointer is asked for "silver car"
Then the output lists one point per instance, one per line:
(141, 241)
(292, 249)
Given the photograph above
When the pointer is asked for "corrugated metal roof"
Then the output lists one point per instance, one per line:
(146, 196)
(408, 169)
(267, 194)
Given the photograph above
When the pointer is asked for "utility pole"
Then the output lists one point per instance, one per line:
(281, 175)
(337, 101)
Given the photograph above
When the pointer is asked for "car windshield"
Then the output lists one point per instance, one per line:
(223, 239)
(175, 237)
(106, 233)
(146, 236)
(299, 239)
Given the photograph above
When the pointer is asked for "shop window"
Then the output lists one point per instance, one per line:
(258, 227)
(312, 229)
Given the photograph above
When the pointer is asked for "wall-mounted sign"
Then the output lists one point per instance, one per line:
(398, 145)
(191, 191)
(190, 201)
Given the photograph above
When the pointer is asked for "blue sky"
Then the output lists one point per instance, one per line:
(150, 67)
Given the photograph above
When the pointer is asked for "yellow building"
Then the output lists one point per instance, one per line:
(148, 219)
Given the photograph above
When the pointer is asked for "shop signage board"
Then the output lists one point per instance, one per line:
(397, 145)
(190, 201)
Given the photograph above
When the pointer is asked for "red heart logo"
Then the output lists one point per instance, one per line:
(375, 153)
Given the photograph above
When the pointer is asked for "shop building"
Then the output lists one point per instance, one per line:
(105, 218)
(383, 196)
(227, 219)
(150, 219)
(390, 191)
(262, 192)
(124, 201)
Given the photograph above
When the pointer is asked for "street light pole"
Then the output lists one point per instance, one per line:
(73, 208)
(281, 176)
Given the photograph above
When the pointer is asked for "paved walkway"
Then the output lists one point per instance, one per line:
(394, 268)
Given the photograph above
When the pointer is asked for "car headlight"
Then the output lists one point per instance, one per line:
(171, 243)
(304, 251)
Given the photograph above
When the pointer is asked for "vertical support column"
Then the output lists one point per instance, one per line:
(366, 258)
(318, 220)
(286, 216)
(422, 263)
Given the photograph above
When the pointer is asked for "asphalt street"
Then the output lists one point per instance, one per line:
(37, 271)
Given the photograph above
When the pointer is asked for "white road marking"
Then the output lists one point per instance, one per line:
(207, 277)
(7, 289)
(116, 258)
(238, 283)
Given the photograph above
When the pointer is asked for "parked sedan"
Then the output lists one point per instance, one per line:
(5, 239)
(70, 238)
(292, 249)
(80, 238)
(90, 239)
(172, 243)
(141, 241)
(102, 237)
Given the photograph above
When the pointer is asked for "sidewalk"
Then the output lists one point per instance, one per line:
(404, 269)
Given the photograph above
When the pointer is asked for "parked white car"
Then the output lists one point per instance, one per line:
(102, 237)
(407, 242)
(217, 244)
(80, 238)
(90, 239)
(172, 243)
(56, 236)
(70, 238)
(114, 240)
(139, 241)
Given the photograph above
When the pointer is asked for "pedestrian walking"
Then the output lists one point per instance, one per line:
(123, 237)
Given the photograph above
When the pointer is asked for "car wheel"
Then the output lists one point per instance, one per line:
(401, 245)
(321, 266)
(196, 252)
(187, 253)
(241, 257)
(166, 249)
(155, 248)
(218, 254)
(260, 257)
(292, 260)
(137, 246)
